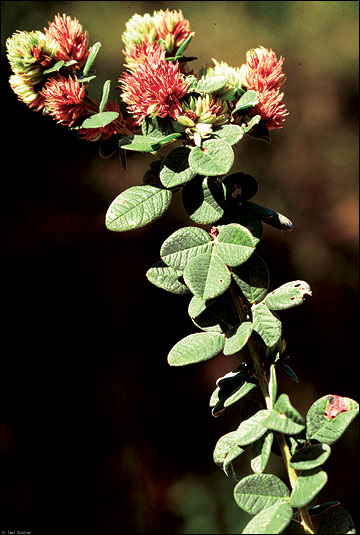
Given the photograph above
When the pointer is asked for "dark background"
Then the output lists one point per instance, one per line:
(99, 434)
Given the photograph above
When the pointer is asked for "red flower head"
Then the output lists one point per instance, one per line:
(68, 33)
(154, 88)
(263, 74)
(118, 126)
(137, 54)
(64, 99)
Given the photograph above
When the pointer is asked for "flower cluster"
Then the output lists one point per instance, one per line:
(51, 72)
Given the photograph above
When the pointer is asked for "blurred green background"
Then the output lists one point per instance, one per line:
(100, 435)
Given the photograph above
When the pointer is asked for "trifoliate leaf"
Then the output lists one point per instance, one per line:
(226, 451)
(247, 100)
(230, 133)
(196, 348)
(285, 418)
(252, 277)
(214, 314)
(137, 206)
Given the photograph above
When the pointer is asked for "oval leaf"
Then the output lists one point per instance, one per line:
(211, 84)
(91, 58)
(175, 168)
(274, 519)
(230, 133)
(140, 143)
(203, 200)
(234, 244)
(266, 324)
(321, 428)
(308, 485)
(270, 217)
(252, 277)
(196, 348)
(260, 452)
(310, 457)
(214, 158)
(207, 276)
(336, 520)
(137, 206)
(214, 314)
(288, 295)
(167, 278)
(183, 244)
(252, 428)
(98, 120)
(260, 491)
(237, 338)
(105, 95)
(285, 418)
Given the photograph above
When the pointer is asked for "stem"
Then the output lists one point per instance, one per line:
(306, 521)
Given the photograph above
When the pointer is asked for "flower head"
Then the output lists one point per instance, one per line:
(263, 74)
(72, 41)
(30, 54)
(172, 28)
(154, 89)
(64, 99)
(139, 29)
(25, 92)
(136, 55)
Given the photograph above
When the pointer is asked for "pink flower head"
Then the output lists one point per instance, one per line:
(263, 74)
(154, 89)
(118, 126)
(137, 54)
(64, 99)
(69, 35)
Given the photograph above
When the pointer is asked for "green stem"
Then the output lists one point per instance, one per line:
(306, 521)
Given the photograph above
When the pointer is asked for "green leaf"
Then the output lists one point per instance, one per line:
(260, 491)
(288, 295)
(55, 67)
(184, 244)
(241, 392)
(237, 338)
(207, 276)
(230, 133)
(266, 324)
(203, 200)
(285, 418)
(156, 127)
(272, 385)
(98, 120)
(247, 218)
(336, 521)
(252, 428)
(214, 314)
(321, 428)
(216, 157)
(212, 84)
(270, 217)
(184, 45)
(136, 207)
(260, 452)
(196, 348)
(175, 169)
(140, 143)
(274, 519)
(240, 186)
(247, 100)
(310, 457)
(105, 95)
(308, 485)
(252, 277)
(234, 244)
(91, 58)
(250, 123)
(226, 451)
(167, 278)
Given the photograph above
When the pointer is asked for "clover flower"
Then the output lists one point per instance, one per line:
(118, 126)
(30, 54)
(263, 74)
(72, 41)
(136, 55)
(154, 89)
(64, 99)
(168, 26)
(25, 92)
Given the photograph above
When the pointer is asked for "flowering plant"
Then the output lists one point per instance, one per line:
(206, 114)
